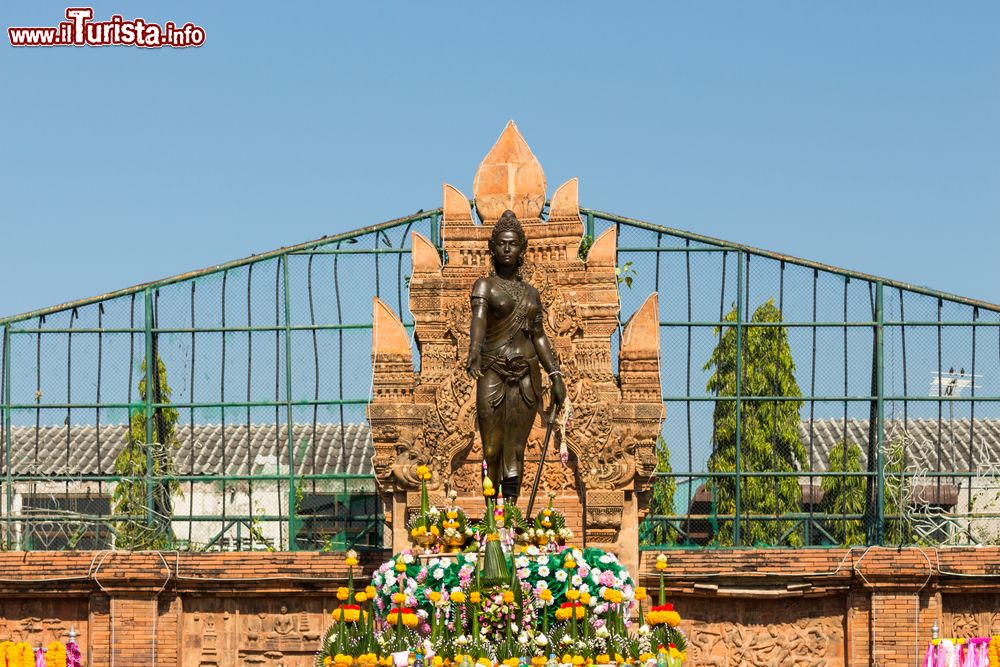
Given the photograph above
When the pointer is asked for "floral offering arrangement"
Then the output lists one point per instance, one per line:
(18, 654)
(536, 603)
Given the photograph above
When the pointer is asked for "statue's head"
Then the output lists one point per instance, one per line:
(508, 242)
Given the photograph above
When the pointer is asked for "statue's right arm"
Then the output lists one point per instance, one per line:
(477, 328)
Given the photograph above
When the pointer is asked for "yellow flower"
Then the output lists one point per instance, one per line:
(400, 566)
(572, 595)
(545, 595)
(538, 661)
(435, 530)
(676, 655)
(488, 489)
(370, 592)
(584, 598)
(437, 661)
(640, 593)
(510, 662)
(343, 593)
(484, 661)
(566, 658)
(569, 564)
(458, 597)
(661, 562)
(451, 514)
(508, 596)
(422, 470)
(360, 597)
(350, 561)
(399, 598)
(603, 658)
(328, 660)
(474, 597)
(578, 660)
(343, 659)
(434, 596)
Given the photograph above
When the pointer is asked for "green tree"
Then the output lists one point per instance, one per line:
(142, 531)
(844, 495)
(662, 500)
(898, 530)
(769, 439)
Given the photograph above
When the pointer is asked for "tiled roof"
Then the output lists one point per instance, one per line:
(920, 438)
(329, 449)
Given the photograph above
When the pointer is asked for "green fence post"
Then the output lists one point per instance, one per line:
(289, 418)
(590, 226)
(739, 388)
(880, 418)
(7, 432)
(436, 230)
(148, 402)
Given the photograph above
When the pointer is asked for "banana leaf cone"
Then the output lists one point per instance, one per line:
(515, 587)
(495, 570)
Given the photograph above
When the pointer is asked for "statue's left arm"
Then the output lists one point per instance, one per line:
(547, 356)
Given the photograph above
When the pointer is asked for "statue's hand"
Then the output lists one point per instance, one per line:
(474, 365)
(558, 390)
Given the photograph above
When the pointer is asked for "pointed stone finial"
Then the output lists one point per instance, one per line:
(566, 202)
(389, 337)
(456, 206)
(509, 177)
(424, 255)
(602, 251)
(642, 331)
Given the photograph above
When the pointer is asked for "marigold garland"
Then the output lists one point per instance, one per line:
(55, 656)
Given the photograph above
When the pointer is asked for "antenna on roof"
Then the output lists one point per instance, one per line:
(951, 384)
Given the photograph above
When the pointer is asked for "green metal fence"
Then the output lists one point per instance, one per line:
(858, 410)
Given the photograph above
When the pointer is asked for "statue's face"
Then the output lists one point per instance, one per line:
(507, 249)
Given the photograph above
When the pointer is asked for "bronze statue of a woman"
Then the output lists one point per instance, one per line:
(507, 344)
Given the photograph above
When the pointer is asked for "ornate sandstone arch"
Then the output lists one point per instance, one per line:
(429, 417)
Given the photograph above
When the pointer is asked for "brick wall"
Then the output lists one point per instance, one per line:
(844, 607)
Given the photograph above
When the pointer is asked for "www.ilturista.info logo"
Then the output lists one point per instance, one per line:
(81, 30)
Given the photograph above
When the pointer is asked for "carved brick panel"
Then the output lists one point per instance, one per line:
(253, 632)
(765, 633)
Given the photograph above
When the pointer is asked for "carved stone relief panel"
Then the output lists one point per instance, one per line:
(39, 621)
(256, 632)
(970, 615)
(765, 632)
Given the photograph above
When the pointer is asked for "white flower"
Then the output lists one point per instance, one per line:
(561, 575)
(566, 640)
(584, 588)
(407, 558)
(522, 638)
(463, 640)
(577, 580)
(542, 560)
(643, 629)
(595, 574)
(578, 555)
(471, 558)
(521, 561)
(543, 571)
(607, 558)
(439, 573)
(433, 511)
(541, 640)
(542, 585)
(602, 632)
(532, 550)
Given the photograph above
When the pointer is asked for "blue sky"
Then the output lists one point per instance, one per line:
(860, 134)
